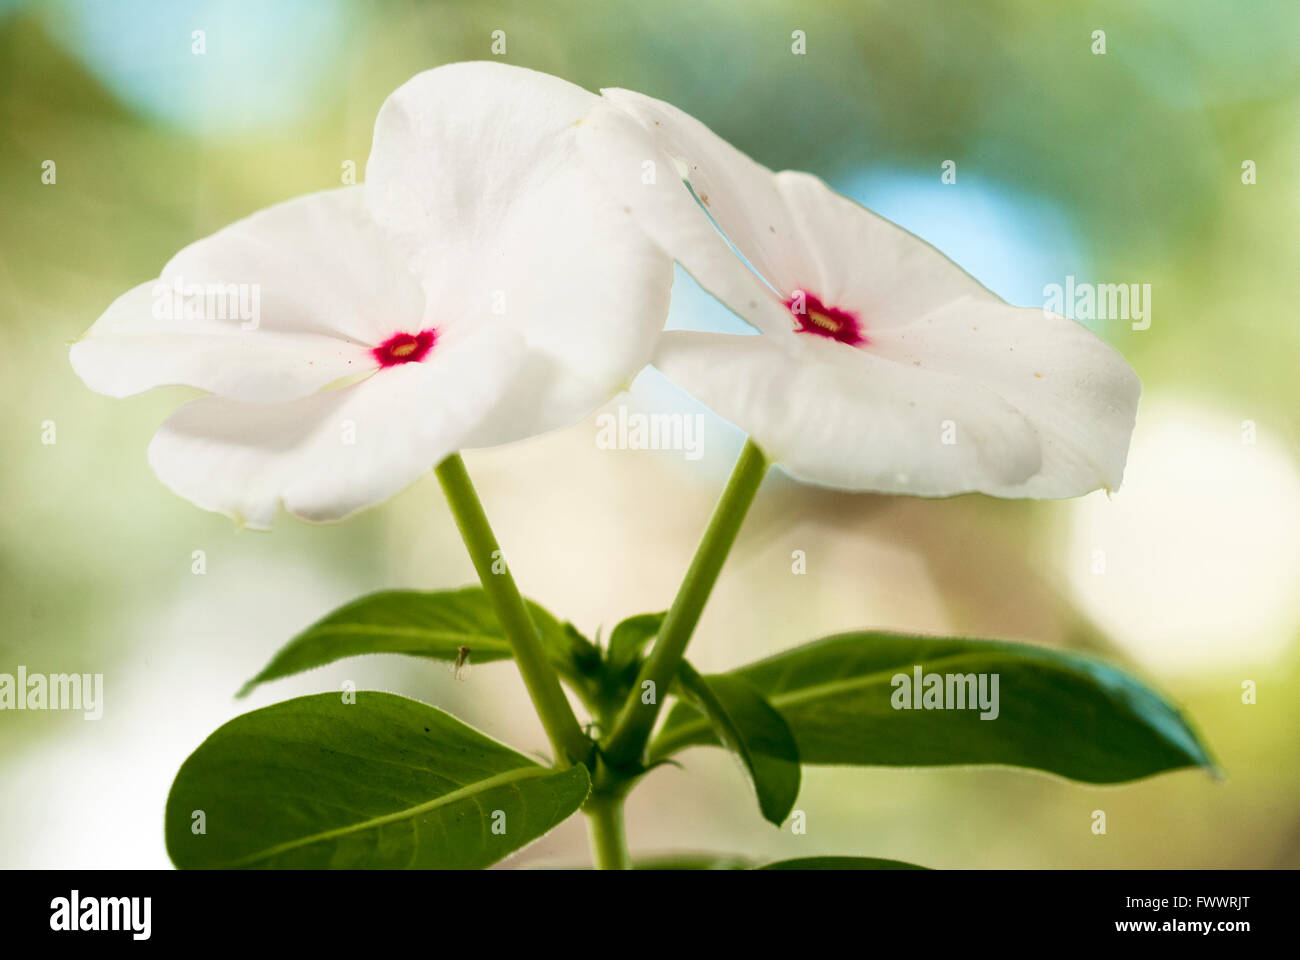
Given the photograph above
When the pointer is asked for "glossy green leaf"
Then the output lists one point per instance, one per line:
(607, 687)
(383, 782)
(840, 863)
(629, 639)
(749, 726)
(434, 625)
(1058, 712)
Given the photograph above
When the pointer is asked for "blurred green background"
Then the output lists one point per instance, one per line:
(1122, 167)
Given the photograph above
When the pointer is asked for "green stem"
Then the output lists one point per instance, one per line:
(571, 745)
(606, 832)
(636, 720)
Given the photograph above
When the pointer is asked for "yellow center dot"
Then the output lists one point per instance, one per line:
(405, 349)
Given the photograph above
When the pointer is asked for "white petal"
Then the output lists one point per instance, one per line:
(333, 453)
(870, 265)
(328, 287)
(837, 416)
(643, 148)
(475, 171)
(1078, 392)
(795, 231)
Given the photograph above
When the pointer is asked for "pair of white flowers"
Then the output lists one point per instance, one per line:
(505, 269)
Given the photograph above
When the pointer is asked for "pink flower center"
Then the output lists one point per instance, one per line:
(815, 317)
(405, 347)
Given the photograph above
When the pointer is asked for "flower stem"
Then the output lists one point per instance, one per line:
(606, 832)
(571, 745)
(636, 720)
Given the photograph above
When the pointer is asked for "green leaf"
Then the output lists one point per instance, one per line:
(630, 638)
(754, 731)
(840, 863)
(383, 782)
(614, 676)
(433, 625)
(1059, 712)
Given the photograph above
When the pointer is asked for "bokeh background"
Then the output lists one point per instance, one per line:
(1123, 167)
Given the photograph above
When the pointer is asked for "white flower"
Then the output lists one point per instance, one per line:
(478, 289)
(882, 366)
